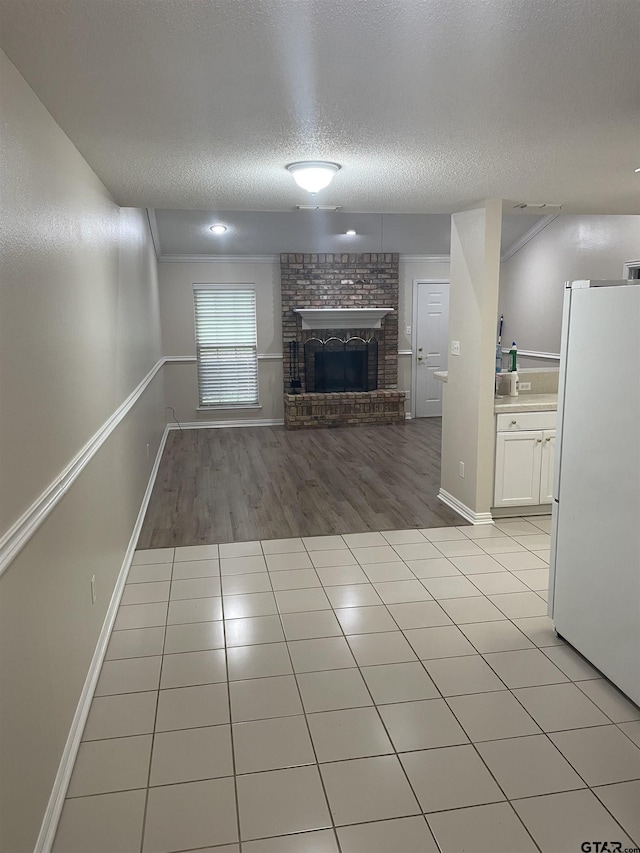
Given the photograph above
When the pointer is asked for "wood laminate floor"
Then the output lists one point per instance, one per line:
(229, 485)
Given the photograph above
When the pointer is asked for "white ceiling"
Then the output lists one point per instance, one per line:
(187, 232)
(427, 104)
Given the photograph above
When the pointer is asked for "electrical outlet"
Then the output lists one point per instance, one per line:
(455, 347)
(462, 470)
(93, 589)
(407, 395)
(524, 386)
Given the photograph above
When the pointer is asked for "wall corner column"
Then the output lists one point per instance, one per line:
(468, 417)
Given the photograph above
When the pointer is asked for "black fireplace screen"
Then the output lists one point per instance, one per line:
(336, 365)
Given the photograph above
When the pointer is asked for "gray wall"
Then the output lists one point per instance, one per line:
(79, 317)
(532, 280)
(176, 280)
(178, 334)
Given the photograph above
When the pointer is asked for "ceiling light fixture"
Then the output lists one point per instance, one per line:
(218, 229)
(351, 232)
(637, 170)
(313, 175)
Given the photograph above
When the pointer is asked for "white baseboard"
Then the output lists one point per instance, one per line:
(463, 510)
(53, 811)
(240, 422)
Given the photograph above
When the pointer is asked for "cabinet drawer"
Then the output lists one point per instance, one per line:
(525, 420)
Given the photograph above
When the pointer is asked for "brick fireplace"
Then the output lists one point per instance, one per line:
(338, 281)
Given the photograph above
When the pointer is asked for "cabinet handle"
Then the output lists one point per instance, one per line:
(538, 440)
(513, 423)
(548, 439)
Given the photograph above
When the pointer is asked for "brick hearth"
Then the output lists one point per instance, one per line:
(365, 408)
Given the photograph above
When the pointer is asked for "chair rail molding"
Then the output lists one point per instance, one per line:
(425, 259)
(219, 259)
(53, 811)
(23, 529)
(535, 354)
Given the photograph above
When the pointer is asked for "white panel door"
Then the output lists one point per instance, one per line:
(431, 324)
(518, 457)
(547, 466)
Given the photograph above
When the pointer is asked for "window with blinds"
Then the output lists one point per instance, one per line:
(226, 342)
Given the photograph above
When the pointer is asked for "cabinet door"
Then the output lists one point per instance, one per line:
(547, 465)
(518, 458)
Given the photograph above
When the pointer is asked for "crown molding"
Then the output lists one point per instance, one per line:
(155, 234)
(528, 236)
(263, 259)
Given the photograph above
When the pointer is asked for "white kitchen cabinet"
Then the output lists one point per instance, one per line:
(524, 459)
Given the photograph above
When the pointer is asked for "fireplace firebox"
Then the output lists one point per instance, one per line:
(339, 365)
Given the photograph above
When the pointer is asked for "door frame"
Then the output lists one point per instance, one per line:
(414, 335)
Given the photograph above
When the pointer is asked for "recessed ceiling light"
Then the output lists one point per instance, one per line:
(351, 232)
(218, 229)
(313, 175)
(637, 170)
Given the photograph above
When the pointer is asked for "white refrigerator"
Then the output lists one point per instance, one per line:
(594, 587)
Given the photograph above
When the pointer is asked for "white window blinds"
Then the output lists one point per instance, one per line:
(226, 342)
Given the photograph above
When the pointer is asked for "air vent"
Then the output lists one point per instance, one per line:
(318, 206)
(534, 205)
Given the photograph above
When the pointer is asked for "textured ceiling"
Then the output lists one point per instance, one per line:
(187, 232)
(427, 104)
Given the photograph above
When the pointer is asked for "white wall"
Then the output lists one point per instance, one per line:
(79, 325)
(532, 281)
(468, 420)
(178, 334)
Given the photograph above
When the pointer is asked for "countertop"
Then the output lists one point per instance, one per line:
(526, 403)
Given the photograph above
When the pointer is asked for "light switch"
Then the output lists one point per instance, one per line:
(407, 330)
(455, 347)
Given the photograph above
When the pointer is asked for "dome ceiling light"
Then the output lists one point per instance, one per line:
(313, 175)
(219, 228)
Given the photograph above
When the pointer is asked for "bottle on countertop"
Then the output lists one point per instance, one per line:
(499, 359)
(513, 357)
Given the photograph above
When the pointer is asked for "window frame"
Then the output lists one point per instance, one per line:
(253, 403)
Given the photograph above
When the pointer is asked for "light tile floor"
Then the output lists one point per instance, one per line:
(391, 692)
